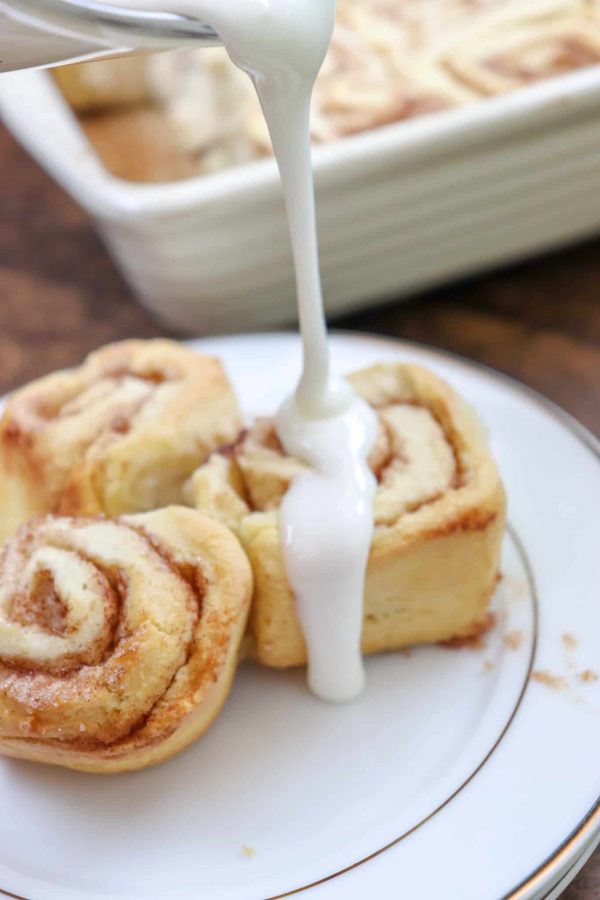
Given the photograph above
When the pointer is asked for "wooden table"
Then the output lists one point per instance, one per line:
(61, 297)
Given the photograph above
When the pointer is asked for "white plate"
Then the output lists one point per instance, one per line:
(457, 776)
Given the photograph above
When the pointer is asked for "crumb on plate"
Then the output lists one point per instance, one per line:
(556, 682)
(513, 639)
(569, 641)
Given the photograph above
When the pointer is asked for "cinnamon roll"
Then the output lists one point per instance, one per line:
(102, 84)
(121, 433)
(439, 518)
(499, 60)
(118, 639)
(359, 89)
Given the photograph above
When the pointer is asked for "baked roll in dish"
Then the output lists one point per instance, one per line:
(439, 518)
(137, 144)
(494, 62)
(359, 89)
(118, 639)
(105, 83)
(121, 433)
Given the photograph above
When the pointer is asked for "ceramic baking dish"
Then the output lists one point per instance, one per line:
(400, 208)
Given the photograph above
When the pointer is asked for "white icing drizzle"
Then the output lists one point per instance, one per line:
(326, 529)
(327, 514)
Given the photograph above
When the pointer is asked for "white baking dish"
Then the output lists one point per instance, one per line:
(400, 208)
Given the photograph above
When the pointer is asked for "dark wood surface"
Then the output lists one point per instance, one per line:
(60, 297)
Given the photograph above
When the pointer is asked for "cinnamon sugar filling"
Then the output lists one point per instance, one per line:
(388, 458)
(43, 607)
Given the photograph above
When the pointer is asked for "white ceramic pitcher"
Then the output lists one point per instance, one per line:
(35, 33)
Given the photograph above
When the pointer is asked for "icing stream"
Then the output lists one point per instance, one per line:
(327, 515)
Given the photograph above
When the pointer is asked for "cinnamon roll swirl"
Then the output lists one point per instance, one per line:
(118, 639)
(121, 433)
(497, 60)
(439, 518)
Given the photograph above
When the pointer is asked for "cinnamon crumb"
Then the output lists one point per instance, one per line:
(513, 639)
(517, 589)
(405, 651)
(489, 666)
(569, 641)
(587, 675)
(120, 423)
(229, 450)
(556, 682)
(248, 852)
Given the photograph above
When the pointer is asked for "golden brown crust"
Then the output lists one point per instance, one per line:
(121, 433)
(125, 653)
(439, 518)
